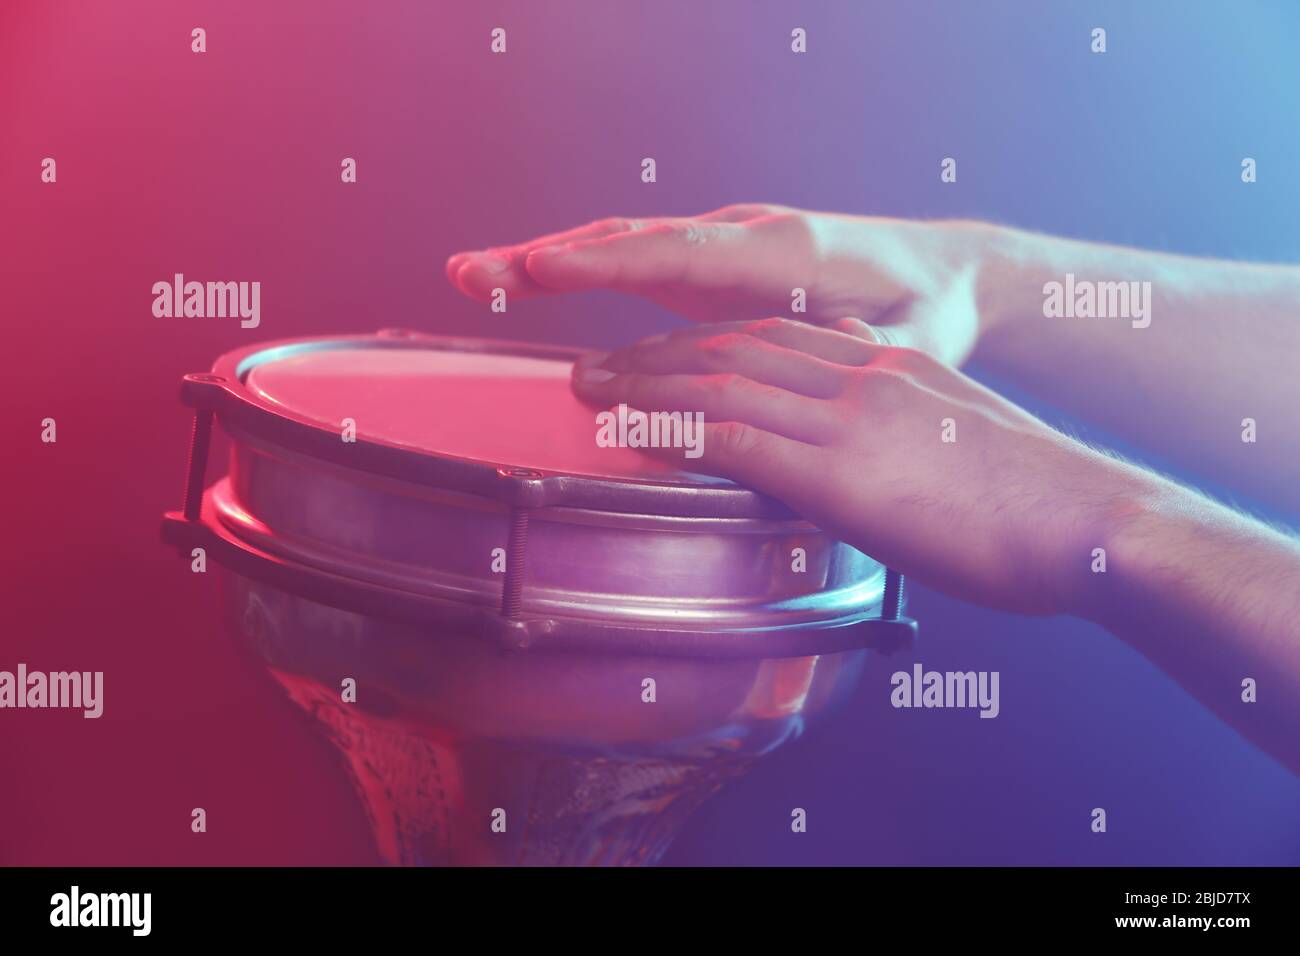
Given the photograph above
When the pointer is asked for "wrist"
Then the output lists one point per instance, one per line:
(1109, 536)
(1007, 285)
(1140, 525)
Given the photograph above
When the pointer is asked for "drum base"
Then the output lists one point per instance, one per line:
(566, 810)
(463, 754)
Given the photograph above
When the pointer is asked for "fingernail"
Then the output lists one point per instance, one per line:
(594, 376)
(547, 252)
(494, 264)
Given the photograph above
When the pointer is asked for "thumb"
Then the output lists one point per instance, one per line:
(916, 328)
(855, 327)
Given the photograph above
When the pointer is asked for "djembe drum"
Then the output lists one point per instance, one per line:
(528, 649)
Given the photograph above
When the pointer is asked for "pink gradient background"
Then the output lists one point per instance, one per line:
(226, 166)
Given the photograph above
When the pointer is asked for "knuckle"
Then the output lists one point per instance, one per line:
(788, 220)
(662, 230)
(912, 359)
(796, 231)
(773, 326)
(695, 231)
(691, 232)
(725, 382)
(721, 351)
(839, 382)
(736, 439)
(616, 224)
(749, 210)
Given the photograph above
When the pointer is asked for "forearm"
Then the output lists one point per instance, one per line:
(1213, 599)
(1217, 343)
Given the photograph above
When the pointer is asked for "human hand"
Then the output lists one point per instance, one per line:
(886, 448)
(917, 283)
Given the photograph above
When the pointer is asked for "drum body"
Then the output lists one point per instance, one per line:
(526, 649)
(447, 730)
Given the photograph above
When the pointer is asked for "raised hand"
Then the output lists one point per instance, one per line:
(915, 282)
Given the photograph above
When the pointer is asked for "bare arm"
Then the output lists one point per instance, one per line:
(1213, 599)
(1221, 344)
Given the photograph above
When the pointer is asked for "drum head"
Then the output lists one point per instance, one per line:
(509, 410)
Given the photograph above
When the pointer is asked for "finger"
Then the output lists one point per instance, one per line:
(674, 252)
(731, 352)
(477, 272)
(717, 397)
(829, 345)
(768, 463)
(503, 266)
(743, 212)
(858, 329)
(897, 336)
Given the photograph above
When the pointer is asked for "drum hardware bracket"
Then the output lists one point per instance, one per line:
(523, 485)
(892, 604)
(200, 443)
(513, 587)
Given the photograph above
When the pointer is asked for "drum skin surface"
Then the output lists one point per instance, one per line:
(505, 409)
(526, 648)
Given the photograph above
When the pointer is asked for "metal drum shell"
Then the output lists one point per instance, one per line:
(731, 573)
(457, 688)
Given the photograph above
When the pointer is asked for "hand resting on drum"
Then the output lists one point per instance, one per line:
(930, 472)
(888, 448)
(872, 433)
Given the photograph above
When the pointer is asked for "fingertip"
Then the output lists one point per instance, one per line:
(482, 273)
(590, 359)
(589, 382)
(453, 264)
(461, 283)
(547, 265)
(589, 375)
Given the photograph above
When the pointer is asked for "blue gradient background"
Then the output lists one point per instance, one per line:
(227, 165)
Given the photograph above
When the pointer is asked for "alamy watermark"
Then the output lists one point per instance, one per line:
(1085, 299)
(631, 428)
(922, 688)
(75, 908)
(74, 690)
(208, 300)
